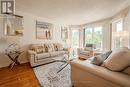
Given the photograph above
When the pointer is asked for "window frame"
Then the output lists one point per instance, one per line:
(114, 30)
(93, 28)
(78, 37)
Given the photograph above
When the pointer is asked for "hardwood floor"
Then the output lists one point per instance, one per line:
(19, 76)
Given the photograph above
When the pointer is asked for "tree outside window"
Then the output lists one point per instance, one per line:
(94, 36)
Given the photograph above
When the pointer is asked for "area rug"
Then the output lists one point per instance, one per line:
(48, 76)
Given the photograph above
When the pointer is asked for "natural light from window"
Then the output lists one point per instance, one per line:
(120, 36)
(94, 36)
(119, 26)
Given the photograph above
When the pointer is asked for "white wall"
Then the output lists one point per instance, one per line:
(29, 37)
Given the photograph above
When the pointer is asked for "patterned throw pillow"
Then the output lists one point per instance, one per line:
(59, 47)
(44, 48)
(55, 47)
(38, 49)
(50, 47)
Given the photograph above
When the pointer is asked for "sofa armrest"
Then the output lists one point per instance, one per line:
(85, 67)
(32, 54)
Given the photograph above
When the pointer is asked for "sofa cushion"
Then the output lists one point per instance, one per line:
(43, 55)
(118, 60)
(59, 47)
(127, 70)
(63, 52)
(49, 47)
(55, 47)
(102, 72)
(39, 48)
(55, 53)
(66, 52)
(99, 59)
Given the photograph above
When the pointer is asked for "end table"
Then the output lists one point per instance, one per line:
(14, 58)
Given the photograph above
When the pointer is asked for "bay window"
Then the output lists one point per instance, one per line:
(120, 35)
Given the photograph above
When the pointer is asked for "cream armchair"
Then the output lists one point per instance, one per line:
(86, 52)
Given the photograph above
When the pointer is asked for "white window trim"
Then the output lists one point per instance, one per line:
(93, 35)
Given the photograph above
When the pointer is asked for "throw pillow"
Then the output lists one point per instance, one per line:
(59, 47)
(38, 49)
(52, 47)
(55, 47)
(118, 60)
(49, 47)
(99, 59)
(44, 48)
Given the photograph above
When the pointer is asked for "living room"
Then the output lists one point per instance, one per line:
(65, 43)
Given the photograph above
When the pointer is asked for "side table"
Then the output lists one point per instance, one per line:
(14, 58)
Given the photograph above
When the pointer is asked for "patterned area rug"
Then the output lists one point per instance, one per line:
(48, 76)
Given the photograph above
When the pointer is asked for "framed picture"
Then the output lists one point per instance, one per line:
(44, 30)
(13, 25)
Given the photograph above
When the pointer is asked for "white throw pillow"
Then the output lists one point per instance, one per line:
(99, 59)
(118, 60)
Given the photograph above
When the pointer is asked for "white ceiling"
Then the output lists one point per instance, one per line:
(72, 12)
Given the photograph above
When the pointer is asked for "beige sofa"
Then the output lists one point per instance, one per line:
(45, 53)
(85, 74)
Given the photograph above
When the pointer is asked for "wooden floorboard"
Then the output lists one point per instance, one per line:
(19, 76)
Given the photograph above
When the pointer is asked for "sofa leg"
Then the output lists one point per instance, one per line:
(72, 85)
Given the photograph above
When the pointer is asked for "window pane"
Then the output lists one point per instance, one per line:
(97, 37)
(75, 42)
(94, 36)
(119, 26)
(88, 35)
(75, 38)
(120, 36)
